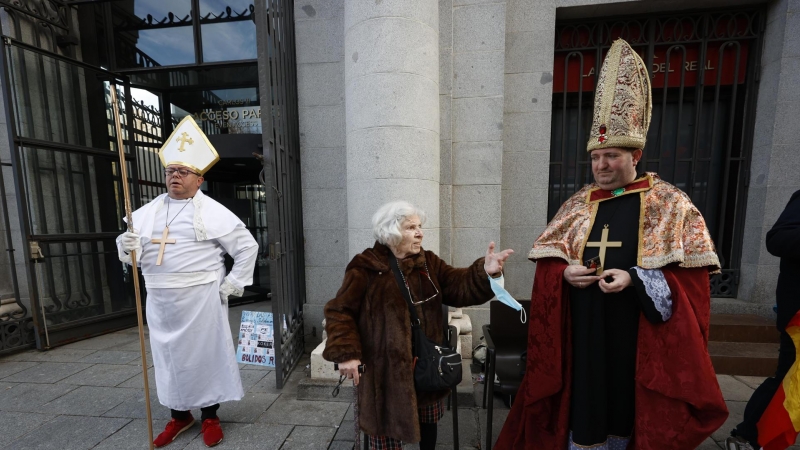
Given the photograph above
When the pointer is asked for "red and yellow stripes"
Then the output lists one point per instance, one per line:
(780, 424)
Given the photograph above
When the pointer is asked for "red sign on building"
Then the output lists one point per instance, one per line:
(724, 64)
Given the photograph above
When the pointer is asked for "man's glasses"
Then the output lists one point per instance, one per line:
(182, 172)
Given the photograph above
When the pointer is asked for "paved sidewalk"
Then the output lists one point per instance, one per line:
(89, 395)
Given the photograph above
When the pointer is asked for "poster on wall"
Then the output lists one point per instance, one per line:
(256, 339)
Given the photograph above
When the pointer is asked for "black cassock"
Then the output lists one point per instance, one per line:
(604, 331)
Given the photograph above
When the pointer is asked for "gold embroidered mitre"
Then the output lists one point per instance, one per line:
(188, 146)
(622, 102)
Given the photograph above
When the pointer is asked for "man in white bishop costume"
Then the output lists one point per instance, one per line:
(181, 239)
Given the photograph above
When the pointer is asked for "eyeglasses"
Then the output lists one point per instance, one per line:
(182, 172)
(434, 288)
(429, 279)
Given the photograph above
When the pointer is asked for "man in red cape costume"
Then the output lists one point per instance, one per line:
(618, 328)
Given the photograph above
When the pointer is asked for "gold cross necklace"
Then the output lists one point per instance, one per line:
(164, 241)
(604, 243)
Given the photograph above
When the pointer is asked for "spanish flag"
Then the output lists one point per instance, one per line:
(780, 424)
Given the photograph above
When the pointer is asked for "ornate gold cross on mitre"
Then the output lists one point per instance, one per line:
(184, 139)
(602, 245)
(163, 241)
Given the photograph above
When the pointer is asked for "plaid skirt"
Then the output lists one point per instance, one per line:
(427, 414)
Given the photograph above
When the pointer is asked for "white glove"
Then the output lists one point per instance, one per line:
(130, 242)
(227, 289)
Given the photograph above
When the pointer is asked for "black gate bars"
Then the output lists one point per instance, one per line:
(704, 71)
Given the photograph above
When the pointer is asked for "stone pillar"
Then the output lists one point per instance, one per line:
(530, 27)
(477, 62)
(391, 112)
(319, 29)
(477, 128)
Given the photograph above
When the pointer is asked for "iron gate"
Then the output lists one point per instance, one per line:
(64, 163)
(704, 69)
(281, 176)
(67, 182)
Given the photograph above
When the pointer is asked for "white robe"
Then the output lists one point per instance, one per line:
(190, 338)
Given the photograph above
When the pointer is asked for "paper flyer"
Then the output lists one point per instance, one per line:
(256, 339)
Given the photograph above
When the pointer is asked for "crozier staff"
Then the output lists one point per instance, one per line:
(368, 322)
(181, 240)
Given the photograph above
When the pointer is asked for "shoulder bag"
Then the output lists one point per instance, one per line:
(436, 367)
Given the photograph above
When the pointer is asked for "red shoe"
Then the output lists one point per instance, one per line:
(172, 430)
(212, 432)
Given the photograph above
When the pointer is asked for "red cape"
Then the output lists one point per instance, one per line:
(678, 400)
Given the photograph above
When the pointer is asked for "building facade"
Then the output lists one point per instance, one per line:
(478, 111)
(475, 110)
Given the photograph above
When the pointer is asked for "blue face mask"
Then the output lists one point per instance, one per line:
(507, 299)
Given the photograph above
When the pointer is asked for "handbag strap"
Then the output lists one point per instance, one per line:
(415, 322)
(404, 289)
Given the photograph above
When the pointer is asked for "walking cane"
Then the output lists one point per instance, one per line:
(357, 443)
(123, 173)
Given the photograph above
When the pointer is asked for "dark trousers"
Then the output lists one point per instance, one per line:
(209, 412)
(763, 395)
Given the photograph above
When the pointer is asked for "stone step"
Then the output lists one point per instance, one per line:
(742, 328)
(9, 307)
(320, 389)
(744, 358)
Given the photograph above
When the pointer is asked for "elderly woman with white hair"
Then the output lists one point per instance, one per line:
(368, 322)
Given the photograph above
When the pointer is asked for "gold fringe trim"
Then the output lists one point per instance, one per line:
(642, 208)
(707, 259)
(593, 216)
(541, 253)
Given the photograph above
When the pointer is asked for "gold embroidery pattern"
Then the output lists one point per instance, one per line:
(623, 102)
(566, 234)
(672, 230)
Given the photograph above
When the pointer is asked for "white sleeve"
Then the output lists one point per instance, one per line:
(240, 244)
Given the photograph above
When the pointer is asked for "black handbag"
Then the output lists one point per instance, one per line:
(436, 367)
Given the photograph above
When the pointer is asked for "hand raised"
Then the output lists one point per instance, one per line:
(493, 263)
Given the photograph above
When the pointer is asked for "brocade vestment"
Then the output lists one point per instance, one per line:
(634, 364)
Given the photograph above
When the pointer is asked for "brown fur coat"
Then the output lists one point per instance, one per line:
(369, 320)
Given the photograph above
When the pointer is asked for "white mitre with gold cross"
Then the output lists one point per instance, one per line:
(188, 146)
